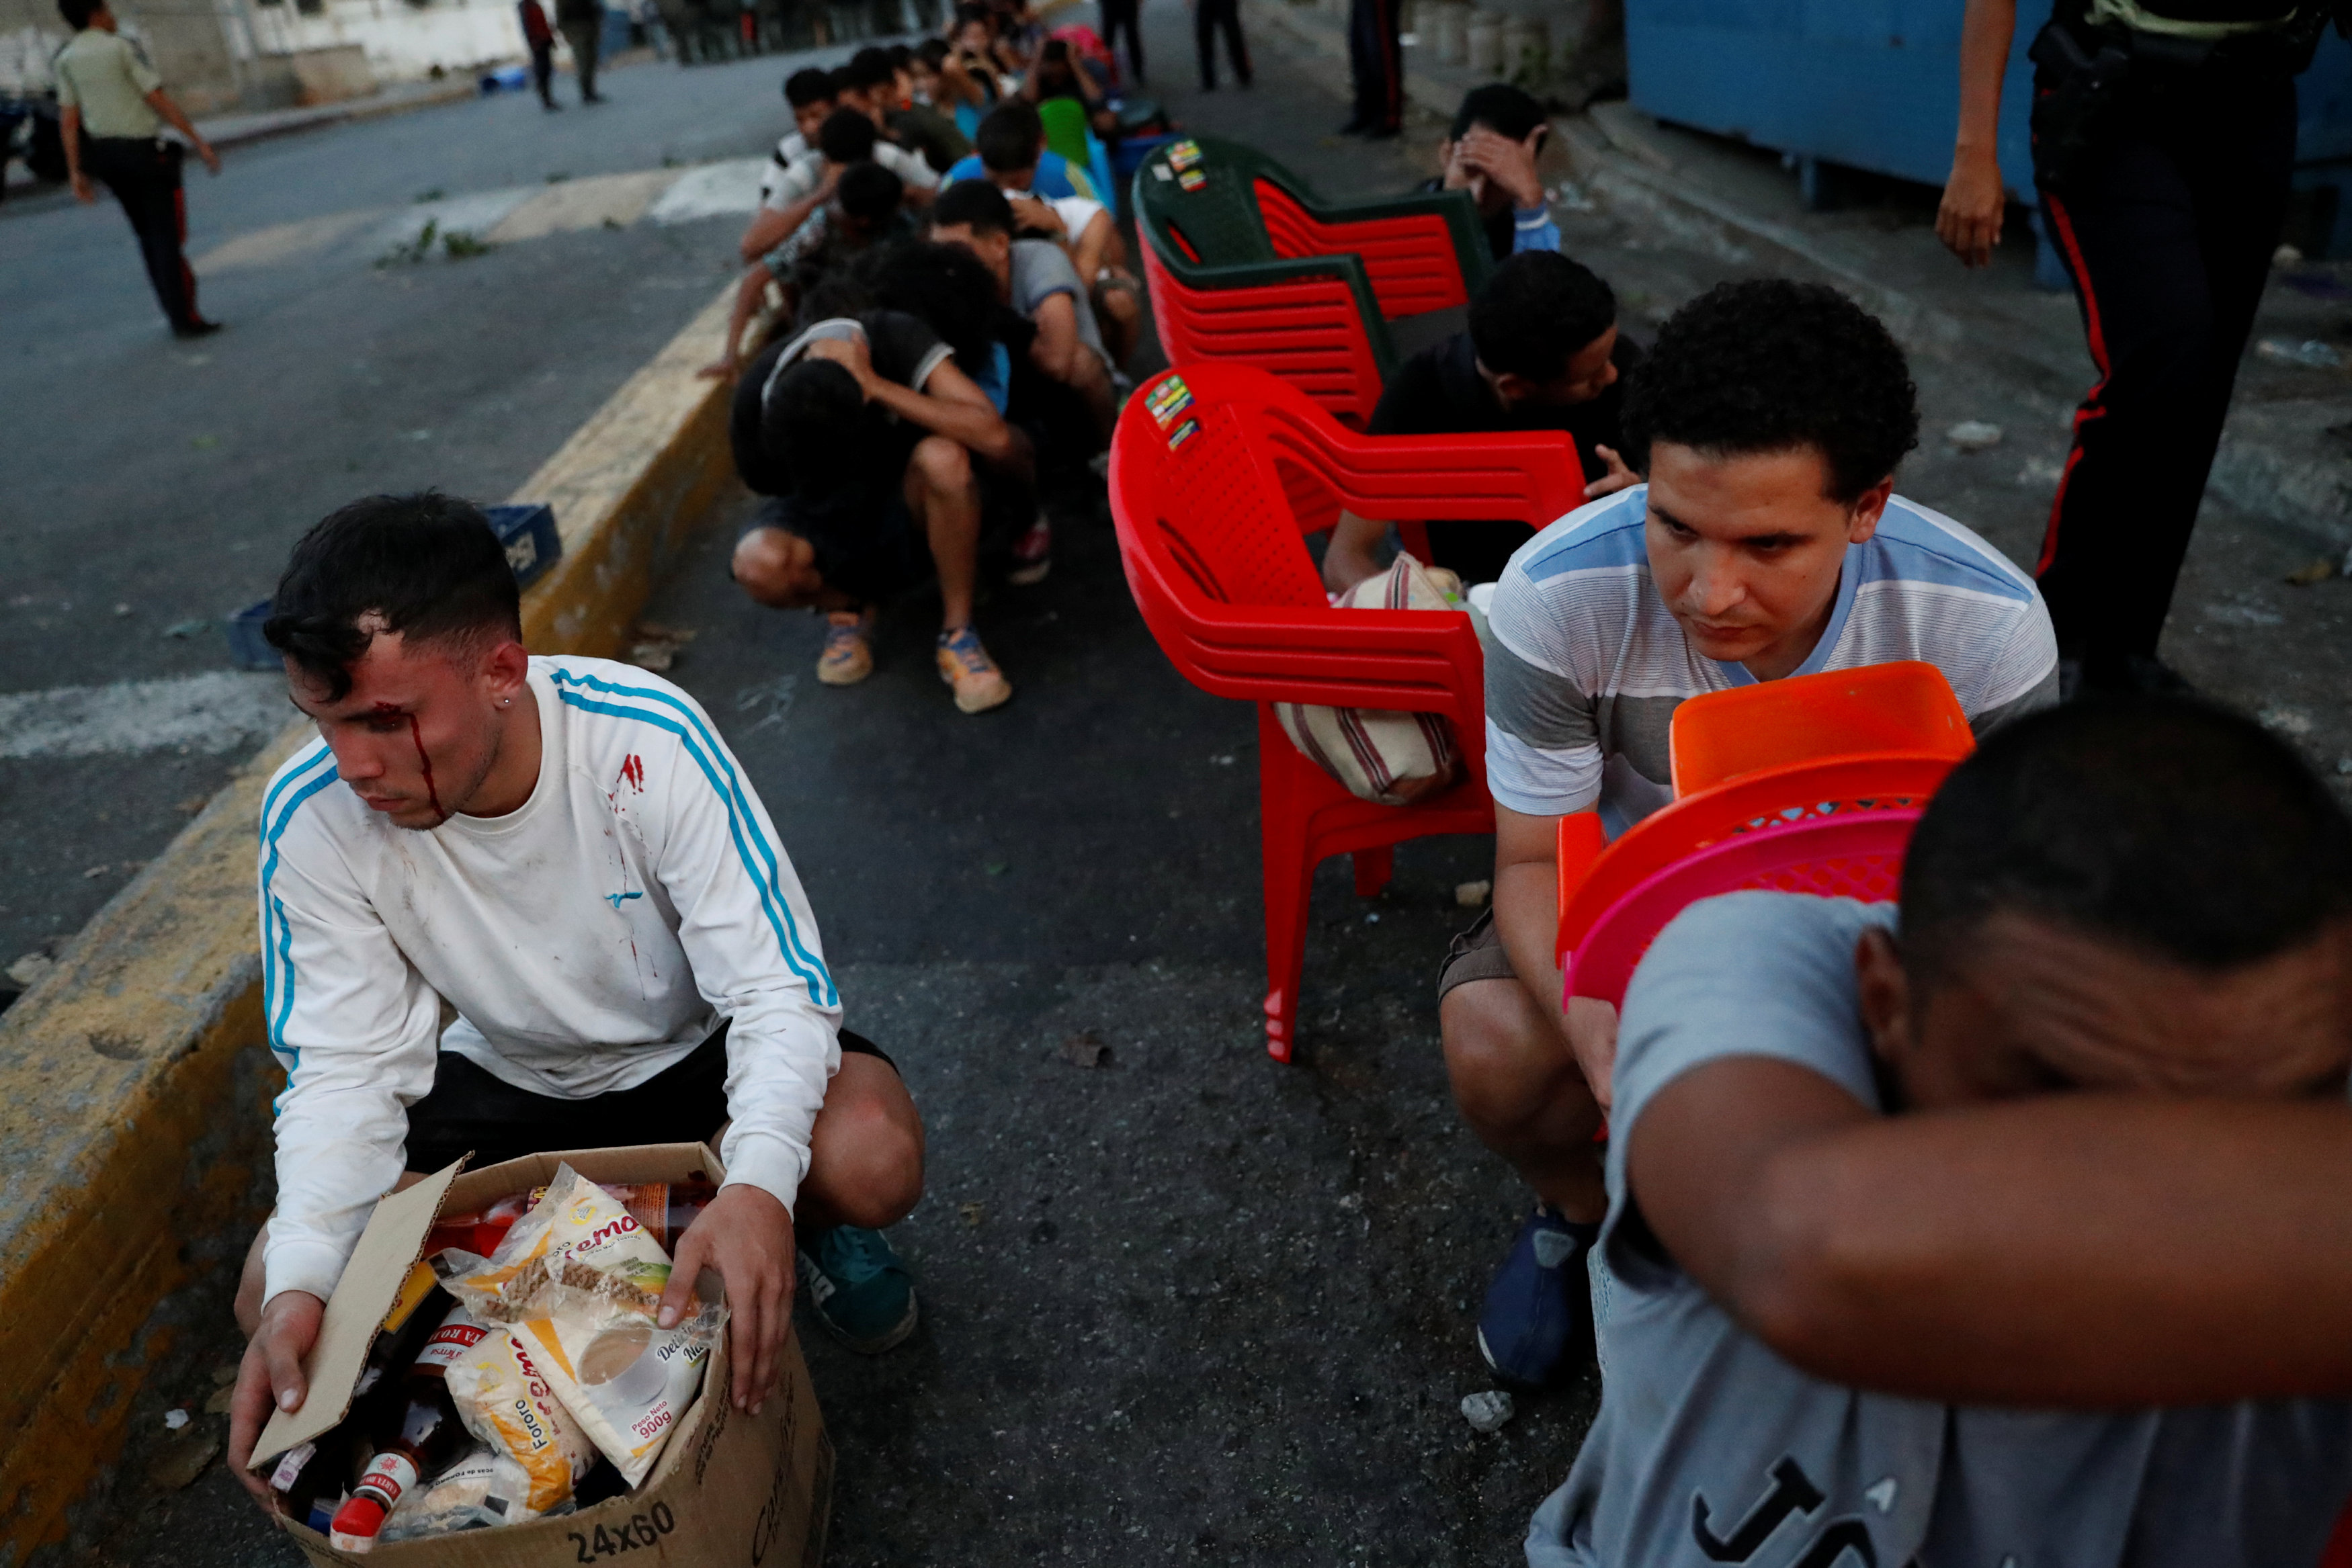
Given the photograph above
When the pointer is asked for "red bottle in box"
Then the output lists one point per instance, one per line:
(416, 1438)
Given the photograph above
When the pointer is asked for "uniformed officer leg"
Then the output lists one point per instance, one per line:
(1359, 63)
(583, 37)
(149, 191)
(1383, 86)
(2168, 246)
(2128, 497)
(1204, 40)
(1229, 17)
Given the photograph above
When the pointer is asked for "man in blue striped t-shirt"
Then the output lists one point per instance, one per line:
(1767, 541)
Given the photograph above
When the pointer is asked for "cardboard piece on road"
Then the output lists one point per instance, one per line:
(732, 1491)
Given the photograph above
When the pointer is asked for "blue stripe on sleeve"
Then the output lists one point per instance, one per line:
(277, 932)
(758, 855)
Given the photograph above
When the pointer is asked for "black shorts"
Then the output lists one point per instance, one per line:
(866, 542)
(470, 1111)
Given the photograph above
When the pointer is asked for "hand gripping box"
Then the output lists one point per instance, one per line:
(732, 1491)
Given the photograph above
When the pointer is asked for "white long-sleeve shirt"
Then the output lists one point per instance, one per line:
(587, 940)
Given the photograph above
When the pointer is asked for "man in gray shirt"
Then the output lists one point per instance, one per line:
(2022, 1239)
(1038, 281)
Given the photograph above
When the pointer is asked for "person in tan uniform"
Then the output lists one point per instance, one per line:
(115, 109)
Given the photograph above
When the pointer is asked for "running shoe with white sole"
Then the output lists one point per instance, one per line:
(965, 665)
(848, 656)
(858, 1287)
(1537, 1316)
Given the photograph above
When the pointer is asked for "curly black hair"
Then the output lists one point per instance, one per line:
(1767, 365)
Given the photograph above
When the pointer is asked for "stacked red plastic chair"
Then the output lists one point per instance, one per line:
(1806, 785)
(1245, 263)
(1217, 473)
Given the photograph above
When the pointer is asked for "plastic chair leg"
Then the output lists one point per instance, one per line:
(1282, 817)
(1373, 869)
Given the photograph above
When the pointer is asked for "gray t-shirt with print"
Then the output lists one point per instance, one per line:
(1042, 269)
(1710, 1449)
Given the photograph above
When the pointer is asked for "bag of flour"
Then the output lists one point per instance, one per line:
(505, 1402)
(579, 1281)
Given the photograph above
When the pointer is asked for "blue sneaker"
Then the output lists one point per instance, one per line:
(857, 1288)
(1538, 1310)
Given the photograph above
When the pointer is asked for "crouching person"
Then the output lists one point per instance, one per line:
(2015, 1225)
(871, 444)
(565, 852)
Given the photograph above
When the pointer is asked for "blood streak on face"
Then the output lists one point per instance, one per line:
(426, 763)
(416, 738)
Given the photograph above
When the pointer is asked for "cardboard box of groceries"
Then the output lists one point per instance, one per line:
(729, 1488)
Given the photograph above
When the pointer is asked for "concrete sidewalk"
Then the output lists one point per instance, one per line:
(237, 130)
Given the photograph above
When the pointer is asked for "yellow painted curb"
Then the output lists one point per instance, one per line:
(133, 1079)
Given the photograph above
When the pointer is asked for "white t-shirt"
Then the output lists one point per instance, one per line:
(779, 188)
(588, 940)
(1585, 665)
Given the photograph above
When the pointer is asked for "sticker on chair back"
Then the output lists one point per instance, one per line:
(1169, 399)
(1183, 155)
(1183, 434)
(1192, 180)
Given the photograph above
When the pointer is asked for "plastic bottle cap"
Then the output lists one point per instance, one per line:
(355, 1523)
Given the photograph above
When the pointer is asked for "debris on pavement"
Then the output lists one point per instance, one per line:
(222, 1399)
(175, 1419)
(1974, 435)
(654, 647)
(2318, 570)
(972, 1213)
(2311, 353)
(182, 1460)
(1488, 1410)
(1472, 894)
(1084, 1048)
(29, 970)
(2287, 255)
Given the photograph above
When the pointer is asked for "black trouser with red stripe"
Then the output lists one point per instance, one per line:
(2168, 233)
(145, 178)
(1378, 58)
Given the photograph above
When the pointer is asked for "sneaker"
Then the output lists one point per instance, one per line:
(1538, 1310)
(965, 665)
(857, 1288)
(1032, 554)
(848, 656)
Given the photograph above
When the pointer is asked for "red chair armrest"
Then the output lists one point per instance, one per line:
(1580, 842)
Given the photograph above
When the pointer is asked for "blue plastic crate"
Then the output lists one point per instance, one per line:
(247, 646)
(528, 531)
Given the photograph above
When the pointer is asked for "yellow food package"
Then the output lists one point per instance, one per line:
(505, 1402)
(580, 1281)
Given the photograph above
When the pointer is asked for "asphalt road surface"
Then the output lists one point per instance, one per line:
(1185, 1305)
(149, 486)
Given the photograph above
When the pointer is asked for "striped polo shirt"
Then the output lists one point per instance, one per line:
(1585, 665)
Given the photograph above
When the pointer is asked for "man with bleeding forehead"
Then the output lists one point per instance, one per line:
(564, 851)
